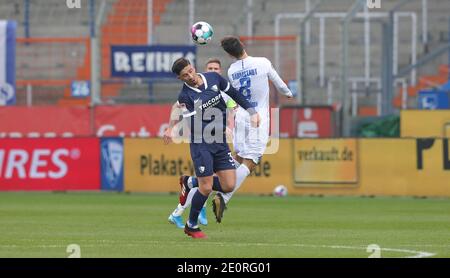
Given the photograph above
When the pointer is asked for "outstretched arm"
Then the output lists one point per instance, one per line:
(175, 118)
(282, 88)
(236, 96)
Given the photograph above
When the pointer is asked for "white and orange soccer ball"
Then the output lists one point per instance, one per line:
(202, 32)
(280, 191)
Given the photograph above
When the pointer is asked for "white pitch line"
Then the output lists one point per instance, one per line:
(415, 253)
(419, 254)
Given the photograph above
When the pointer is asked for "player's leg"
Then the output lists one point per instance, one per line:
(219, 202)
(202, 218)
(242, 172)
(244, 135)
(217, 186)
(225, 168)
(226, 179)
(250, 144)
(203, 165)
(249, 152)
(198, 200)
(176, 216)
(193, 182)
(186, 184)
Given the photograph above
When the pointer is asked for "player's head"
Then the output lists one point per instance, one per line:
(233, 46)
(185, 71)
(213, 65)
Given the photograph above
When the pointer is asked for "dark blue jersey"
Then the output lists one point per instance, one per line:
(205, 104)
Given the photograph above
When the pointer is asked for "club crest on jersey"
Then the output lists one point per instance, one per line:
(214, 88)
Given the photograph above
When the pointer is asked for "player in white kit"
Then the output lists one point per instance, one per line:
(250, 75)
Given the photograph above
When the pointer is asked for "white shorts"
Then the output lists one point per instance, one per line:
(250, 142)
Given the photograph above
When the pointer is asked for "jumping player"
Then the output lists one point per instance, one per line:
(250, 75)
(202, 102)
(212, 65)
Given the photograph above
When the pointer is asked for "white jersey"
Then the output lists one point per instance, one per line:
(250, 76)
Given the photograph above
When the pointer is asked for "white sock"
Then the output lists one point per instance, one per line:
(189, 197)
(178, 211)
(241, 174)
(189, 183)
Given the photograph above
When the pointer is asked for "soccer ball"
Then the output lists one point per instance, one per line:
(280, 191)
(201, 32)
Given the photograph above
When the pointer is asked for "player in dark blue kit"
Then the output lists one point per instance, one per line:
(202, 102)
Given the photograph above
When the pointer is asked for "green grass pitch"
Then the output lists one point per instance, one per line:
(135, 225)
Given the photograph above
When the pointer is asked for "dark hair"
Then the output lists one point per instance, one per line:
(214, 60)
(179, 65)
(233, 46)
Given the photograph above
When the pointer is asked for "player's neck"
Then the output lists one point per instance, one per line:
(243, 56)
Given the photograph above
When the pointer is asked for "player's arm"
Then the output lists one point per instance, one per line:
(174, 118)
(177, 113)
(231, 111)
(282, 88)
(231, 114)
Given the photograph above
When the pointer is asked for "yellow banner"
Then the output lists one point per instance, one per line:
(274, 169)
(408, 167)
(325, 161)
(399, 167)
(425, 123)
(151, 166)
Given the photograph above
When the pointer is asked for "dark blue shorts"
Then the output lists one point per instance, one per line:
(211, 158)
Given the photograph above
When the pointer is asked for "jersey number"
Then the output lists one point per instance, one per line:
(245, 88)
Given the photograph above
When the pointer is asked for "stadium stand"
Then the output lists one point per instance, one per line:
(125, 22)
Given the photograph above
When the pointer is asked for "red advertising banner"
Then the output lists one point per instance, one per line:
(131, 120)
(46, 121)
(306, 122)
(49, 164)
(137, 121)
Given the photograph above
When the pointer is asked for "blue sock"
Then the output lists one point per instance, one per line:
(216, 185)
(194, 182)
(198, 200)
